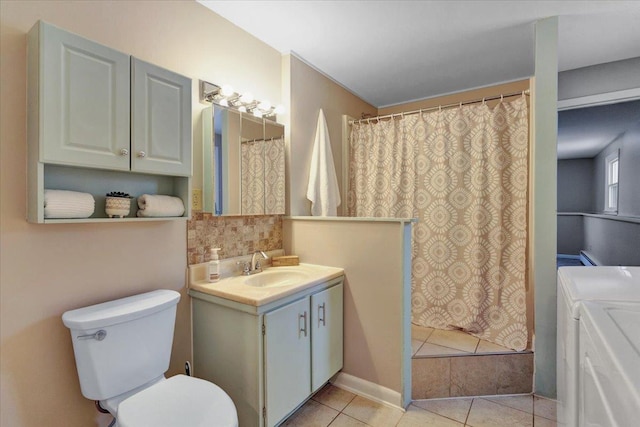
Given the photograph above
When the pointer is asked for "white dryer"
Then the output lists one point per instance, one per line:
(577, 284)
(609, 372)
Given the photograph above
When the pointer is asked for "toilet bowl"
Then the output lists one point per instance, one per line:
(122, 350)
(178, 401)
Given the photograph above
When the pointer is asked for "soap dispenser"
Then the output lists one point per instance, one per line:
(214, 266)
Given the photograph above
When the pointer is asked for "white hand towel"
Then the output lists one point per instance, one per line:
(155, 206)
(68, 204)
(323, 188)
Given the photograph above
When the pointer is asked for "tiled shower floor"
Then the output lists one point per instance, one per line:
(429, 342)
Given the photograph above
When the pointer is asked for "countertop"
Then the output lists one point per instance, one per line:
(235, 289)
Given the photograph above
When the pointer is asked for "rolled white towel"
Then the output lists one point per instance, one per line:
(155, 205)
(68, 204)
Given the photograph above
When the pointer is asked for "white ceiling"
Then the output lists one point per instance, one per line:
(391, 52)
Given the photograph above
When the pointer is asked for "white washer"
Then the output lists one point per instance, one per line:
(576, 284)
(609, 364)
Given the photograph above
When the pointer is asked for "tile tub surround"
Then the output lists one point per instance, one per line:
(334, 407)
(236, 235)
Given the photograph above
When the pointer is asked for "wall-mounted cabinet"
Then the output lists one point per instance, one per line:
(274, 356)
(100, 120)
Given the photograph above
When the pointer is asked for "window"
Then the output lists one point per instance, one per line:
(611, 187)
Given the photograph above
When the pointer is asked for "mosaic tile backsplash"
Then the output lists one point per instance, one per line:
(236, 235)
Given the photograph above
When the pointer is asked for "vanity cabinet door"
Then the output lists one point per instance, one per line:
(161, 120)
(287, 352)
(83, 115)
(326, 335)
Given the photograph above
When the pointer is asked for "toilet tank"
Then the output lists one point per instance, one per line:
(122, 344)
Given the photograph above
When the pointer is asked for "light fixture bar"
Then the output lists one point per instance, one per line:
(227, 97)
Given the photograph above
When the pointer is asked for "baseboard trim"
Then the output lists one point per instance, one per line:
(371, 391)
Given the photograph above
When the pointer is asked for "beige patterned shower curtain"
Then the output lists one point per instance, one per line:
(463, 172)
(262, 182)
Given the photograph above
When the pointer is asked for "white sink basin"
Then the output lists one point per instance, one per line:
(275, 278)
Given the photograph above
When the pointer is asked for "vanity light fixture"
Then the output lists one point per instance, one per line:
(245, 102)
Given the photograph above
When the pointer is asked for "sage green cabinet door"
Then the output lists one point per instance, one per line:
(161, 120)
(84, 101)
(326, 335)
(287, 352)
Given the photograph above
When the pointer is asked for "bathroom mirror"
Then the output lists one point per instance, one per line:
(243, 163)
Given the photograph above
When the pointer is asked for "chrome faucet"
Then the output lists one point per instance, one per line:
(254, 266)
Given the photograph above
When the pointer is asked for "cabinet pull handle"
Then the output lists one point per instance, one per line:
(321, 318)
(142, 154)
(304, 329)
(124, 152)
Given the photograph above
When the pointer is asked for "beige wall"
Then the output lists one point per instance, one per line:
(376, 305)
(311, 90)
(48, 269)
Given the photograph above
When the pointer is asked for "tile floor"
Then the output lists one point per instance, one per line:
(335, 407)
(429, 342)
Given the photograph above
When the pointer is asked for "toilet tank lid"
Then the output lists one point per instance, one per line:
(120, 310)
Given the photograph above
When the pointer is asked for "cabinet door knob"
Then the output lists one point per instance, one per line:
(142, 154)
(124, 152)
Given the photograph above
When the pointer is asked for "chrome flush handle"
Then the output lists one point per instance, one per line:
(99, 336)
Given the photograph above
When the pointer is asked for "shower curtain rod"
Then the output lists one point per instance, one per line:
(247, 141)
(440, 107)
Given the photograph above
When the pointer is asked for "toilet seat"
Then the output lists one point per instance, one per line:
(179, 401)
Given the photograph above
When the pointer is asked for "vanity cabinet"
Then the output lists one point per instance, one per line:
(269, 358)
(95, 115)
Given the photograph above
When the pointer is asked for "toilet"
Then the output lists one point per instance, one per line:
(122, 350)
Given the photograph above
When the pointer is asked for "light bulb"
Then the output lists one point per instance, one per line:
(226, 90)
(279, 109)
(224, 102)
(257, 113)
(242, 109)
(247, 98)
(264, 105)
